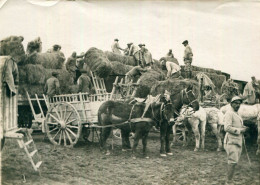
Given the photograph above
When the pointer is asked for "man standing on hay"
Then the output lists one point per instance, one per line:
(84, 82)
(170, 54)
(116, 48)
(251, 91)
(234, 136)
(71, 65)
(52, 86)
(188, 55)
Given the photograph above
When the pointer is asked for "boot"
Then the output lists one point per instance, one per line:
(230, 173)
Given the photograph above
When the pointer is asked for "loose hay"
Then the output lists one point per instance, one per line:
(174, 86)
(35, 74)
(98, 62)
(119, 68)
(127, 60)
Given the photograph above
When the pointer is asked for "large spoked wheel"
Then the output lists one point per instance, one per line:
(63, 124)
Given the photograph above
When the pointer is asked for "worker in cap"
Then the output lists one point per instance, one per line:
(116, 48)
(233, 125)
(170, 54)
(56, 47)
(84, 82)
(52, 85)
(187, 58)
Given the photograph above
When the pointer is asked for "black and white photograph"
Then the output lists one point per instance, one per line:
(130, 92)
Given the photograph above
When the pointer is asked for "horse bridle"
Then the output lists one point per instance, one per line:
(162, 114)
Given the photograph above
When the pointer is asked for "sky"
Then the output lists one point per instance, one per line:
(223, 35)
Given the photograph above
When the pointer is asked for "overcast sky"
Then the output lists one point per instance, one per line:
(223, 35)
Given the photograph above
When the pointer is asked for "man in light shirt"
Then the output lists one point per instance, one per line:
(116, 48)
(173, 69)
(188, 55)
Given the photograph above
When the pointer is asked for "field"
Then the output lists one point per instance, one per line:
(86, 164)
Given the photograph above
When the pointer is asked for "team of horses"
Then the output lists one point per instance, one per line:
(180, 111)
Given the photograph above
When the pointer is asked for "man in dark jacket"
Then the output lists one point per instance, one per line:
(52, 86)
(84, 82)
(71, 65)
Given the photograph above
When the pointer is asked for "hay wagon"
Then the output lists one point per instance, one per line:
(9, 114)
(68, 114)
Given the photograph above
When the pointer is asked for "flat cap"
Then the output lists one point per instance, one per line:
(185, 42)
(236, 98)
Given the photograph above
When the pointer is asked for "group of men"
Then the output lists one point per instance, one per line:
(144, 58)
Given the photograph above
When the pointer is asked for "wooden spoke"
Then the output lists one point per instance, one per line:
(72, 132)
(68, 136)
(68, 117)
(64, 137)
(70, 121)
(56, 135)
(53, 129)
(65, 112)
(57, 113)
(51, 123)
(71, 126)
(60, 137)
(54, 118)
(61, 111)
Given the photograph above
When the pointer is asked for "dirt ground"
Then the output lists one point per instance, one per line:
(86, 164)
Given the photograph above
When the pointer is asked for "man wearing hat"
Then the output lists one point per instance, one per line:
(251, 92)
(116, 48)
(188, 55)
(84, 82)
(71, 65)
(233, 125)
(52, 86)
(170, 54)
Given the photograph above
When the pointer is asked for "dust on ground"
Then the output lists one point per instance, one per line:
(86, 164)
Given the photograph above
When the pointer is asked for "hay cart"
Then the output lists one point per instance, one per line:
(67, 115)
(8, 117)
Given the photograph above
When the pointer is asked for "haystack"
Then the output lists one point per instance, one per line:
(12, 46)
(119, 68)
(127, 60)
(147, 80)
(98, 62)
(174, 86)
(32, 74)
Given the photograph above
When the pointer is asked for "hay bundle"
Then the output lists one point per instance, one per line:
(147, 80)
(13, 46)
(205, 70)
(119, 68)
(48, 60)
(98, 62)
(174, 86)
(127, 60)
(230, 88)
(34, 74)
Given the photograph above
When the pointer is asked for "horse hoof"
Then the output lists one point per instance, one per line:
(219, 150)
(196, 149)
(133, 157)
(163, 155)
(108, 153)
(169, 153)
(147, 157)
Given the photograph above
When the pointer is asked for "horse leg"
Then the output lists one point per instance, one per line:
(195, 129)
(105, 132)
(216, 131)
(167, 140)
(202, 133)
(163, 130)
(184, 137)
(144, 142)
(125, 140)
(174, 134)
(258, 135)
(136, 141)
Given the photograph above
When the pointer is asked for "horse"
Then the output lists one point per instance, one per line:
(249, 113)
(211, 116)
(117, 113)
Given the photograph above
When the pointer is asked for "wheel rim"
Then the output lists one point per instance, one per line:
(63, 124)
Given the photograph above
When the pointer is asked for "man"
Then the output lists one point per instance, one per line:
(188, 55)
(84, 82)
(170, 54)
(251, 91)
(234, 136)
(135, 71)
(147, 56)
(116, 48)
(173, 70)
(52, 86)
(71, 65)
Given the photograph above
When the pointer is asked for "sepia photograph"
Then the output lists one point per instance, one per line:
(129, 92)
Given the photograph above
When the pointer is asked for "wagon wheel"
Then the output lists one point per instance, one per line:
(63, 124)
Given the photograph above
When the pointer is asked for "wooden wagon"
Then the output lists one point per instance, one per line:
(68, 114)
(9, 113)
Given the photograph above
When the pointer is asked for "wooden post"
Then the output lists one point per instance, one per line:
(201, 90)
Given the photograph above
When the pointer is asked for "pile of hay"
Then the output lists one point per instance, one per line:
(230, 88)
(98, 62)
(206, 70)
(174, 86)
(119, 68)
(12, 46)
(32, 74)
(127, 60)
(147, 80)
